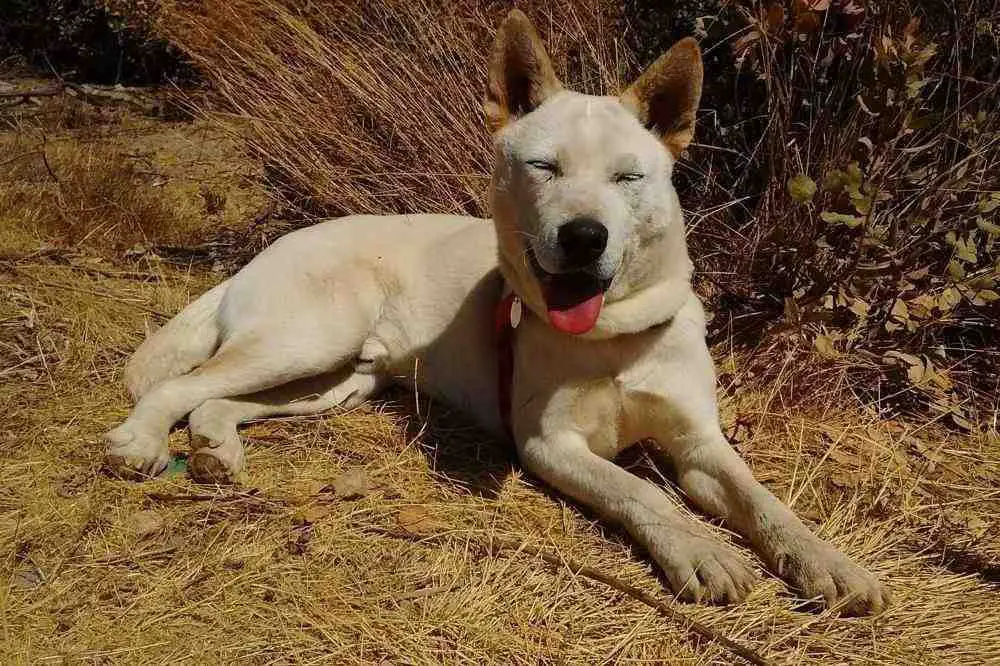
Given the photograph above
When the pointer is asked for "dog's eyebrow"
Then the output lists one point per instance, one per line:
(627, 161)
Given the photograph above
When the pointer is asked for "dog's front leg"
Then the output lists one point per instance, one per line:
(697, 566)
(719, 481)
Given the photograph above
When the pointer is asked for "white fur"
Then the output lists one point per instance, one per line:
(330, 314)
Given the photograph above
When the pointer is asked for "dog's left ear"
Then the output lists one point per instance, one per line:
(665, 97)
(521, 76)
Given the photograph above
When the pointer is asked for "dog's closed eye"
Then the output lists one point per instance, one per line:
(629, 177)
(550, 168)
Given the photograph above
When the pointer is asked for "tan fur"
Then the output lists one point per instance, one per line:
(330, 314)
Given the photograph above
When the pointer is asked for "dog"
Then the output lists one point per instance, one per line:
(606, 338)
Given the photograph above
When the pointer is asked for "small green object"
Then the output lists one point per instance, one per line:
(177, 466)
(802, 188)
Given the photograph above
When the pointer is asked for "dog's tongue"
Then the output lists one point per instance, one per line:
(578, 318)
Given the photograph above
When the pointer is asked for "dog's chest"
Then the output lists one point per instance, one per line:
(596, 388)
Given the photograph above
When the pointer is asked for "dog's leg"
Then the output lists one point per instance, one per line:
(721, 483)
(244, 364)
(217, 448)
(697, 566)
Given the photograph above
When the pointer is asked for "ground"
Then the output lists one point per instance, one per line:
(372, 536)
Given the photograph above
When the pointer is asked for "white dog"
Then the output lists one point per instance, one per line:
(606, 335)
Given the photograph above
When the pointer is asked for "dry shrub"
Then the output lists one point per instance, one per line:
(74, 195)
(83, 196)
(847, 194)
(375, 107)
(103, 178)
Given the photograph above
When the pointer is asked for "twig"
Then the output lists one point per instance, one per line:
(96, 95)
(131, 559)
(51, 91)
(668, 611)
(204, 497)
(45, 161)
(251, 499)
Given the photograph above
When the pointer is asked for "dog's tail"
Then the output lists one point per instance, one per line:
(183, 343)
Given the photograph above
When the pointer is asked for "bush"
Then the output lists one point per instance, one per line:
(89, 40)
(846, 188)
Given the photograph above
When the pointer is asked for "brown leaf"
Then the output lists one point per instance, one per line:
(352, 484)
(775, 16)
(74, 484)
(311, 514)
(27, 577)
(916, 373)
(145, 523)
(418, 520)
(846, 480)
(298, 540)
(825, 346)
(807, 23)
(303, 491)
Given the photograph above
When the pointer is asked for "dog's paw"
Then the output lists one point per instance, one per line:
(703, 570)
(819, 571)
(134, 455)
(215, 462)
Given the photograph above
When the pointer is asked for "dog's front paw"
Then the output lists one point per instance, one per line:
(819, 571)
(704, 570)
(132, 454)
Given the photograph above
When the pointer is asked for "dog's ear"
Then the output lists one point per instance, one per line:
(520, 72)
(665, 97)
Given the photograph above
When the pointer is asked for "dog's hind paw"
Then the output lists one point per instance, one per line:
(216, 462)
(134, 455)
(703, 570)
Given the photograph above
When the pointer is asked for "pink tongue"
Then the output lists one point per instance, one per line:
(579, 318)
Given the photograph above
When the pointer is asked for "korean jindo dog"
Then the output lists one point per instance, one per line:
(587, 236)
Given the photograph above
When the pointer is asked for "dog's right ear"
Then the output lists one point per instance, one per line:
(520, 72)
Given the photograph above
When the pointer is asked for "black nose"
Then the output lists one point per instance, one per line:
(582, 241)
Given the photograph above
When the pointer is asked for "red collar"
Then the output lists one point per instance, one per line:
(507, 317)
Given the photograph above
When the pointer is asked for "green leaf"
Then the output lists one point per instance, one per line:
(985, 296)
(948, 299)
(835, 180)
(965, 250)
(854, 175)
(802, 188)
(988, 227)
(991, 204)
(849, 221)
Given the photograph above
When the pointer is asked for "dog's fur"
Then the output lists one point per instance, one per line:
(330, 314)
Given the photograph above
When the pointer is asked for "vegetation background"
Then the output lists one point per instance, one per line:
(843, 207)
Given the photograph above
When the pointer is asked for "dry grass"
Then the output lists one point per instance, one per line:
(109, 179)
(372, 107)
(283, 570)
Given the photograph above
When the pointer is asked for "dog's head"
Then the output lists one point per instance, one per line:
(583, 203)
